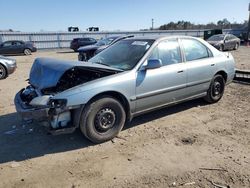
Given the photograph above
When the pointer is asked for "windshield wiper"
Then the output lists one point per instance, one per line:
(100, 63)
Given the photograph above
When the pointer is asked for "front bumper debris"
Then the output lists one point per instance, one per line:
(28, 112)
(58, 121)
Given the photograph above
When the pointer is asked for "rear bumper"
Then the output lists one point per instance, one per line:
(34, 49)
(28, 112)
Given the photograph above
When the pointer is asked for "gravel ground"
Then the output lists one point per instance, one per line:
(189, 145)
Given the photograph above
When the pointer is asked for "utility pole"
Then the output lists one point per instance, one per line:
(248, 31)
(152, 24)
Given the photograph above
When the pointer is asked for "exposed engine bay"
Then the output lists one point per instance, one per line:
(74, 77)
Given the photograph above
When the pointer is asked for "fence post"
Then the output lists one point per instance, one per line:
(30, 37)
(58, 40)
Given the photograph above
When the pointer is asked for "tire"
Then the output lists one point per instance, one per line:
(27, 51)
(221, 48)
(216, 89)
(236, 46)
(102, 120)
(3, 72)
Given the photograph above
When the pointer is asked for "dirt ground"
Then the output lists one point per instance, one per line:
(189, 145)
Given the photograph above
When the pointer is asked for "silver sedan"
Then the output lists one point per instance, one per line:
(7, 66)
(129, 78)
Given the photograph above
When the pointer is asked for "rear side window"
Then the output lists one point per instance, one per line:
(193, 49)
(168, 52)
(16, 43)
(7, 44)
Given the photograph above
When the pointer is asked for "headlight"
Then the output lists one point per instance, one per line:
(10, 61)
(58, 103)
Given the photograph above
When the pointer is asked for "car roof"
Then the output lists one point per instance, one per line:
(13, 41)
(158, 37)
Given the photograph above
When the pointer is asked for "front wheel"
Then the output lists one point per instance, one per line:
(3, 72)
(216, 89)
(221, 47)
(236, 46)
(102, 120)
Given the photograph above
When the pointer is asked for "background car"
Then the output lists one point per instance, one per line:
(85, 53)
(224, 42)
(17, 47)
(78, 42)
(7, 66)
(129, 78)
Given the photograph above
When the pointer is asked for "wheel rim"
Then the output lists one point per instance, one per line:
(217, 89)
(104, 120)
(27, 52)
(2, 74)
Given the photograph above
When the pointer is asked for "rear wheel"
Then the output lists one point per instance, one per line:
(27, 51)
(3, 72)
(102, 120)
(216, 89)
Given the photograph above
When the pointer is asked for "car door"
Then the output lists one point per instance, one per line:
(201, 66)
(233, 41)
(156, 87)
(228, 42)
(6, 47)
(17, 47)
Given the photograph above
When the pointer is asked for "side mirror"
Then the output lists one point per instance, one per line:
(153, 64)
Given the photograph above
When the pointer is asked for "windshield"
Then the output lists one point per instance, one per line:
(216, 38)
(105, 41)
(124, 54)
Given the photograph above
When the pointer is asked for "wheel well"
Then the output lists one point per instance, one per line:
(118, 96)
(222, 73)
(5, 69)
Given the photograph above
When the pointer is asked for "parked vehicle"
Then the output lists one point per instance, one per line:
(224, 42)
(79, 42)
(209, 33)
(7, 66)
(131, 77)
(17, 47)
(87, 52)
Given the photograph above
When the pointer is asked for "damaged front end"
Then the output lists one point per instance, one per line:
(49, 77)
(52, 113)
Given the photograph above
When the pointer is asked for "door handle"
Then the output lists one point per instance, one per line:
(180, 71)
(212, 64)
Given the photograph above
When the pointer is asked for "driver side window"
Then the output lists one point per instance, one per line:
(168, 52)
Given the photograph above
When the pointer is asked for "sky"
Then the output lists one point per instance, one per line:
(110, 15)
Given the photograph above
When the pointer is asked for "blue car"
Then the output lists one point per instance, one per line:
(131, 77)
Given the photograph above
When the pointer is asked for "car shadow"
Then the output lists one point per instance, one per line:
(150, 116)
(20, 141)
(66, 52)
(13, 55)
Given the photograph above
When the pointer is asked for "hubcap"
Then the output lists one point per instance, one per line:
(105, 120)
(217, 88)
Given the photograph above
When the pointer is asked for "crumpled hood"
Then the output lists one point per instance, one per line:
(46, 72)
